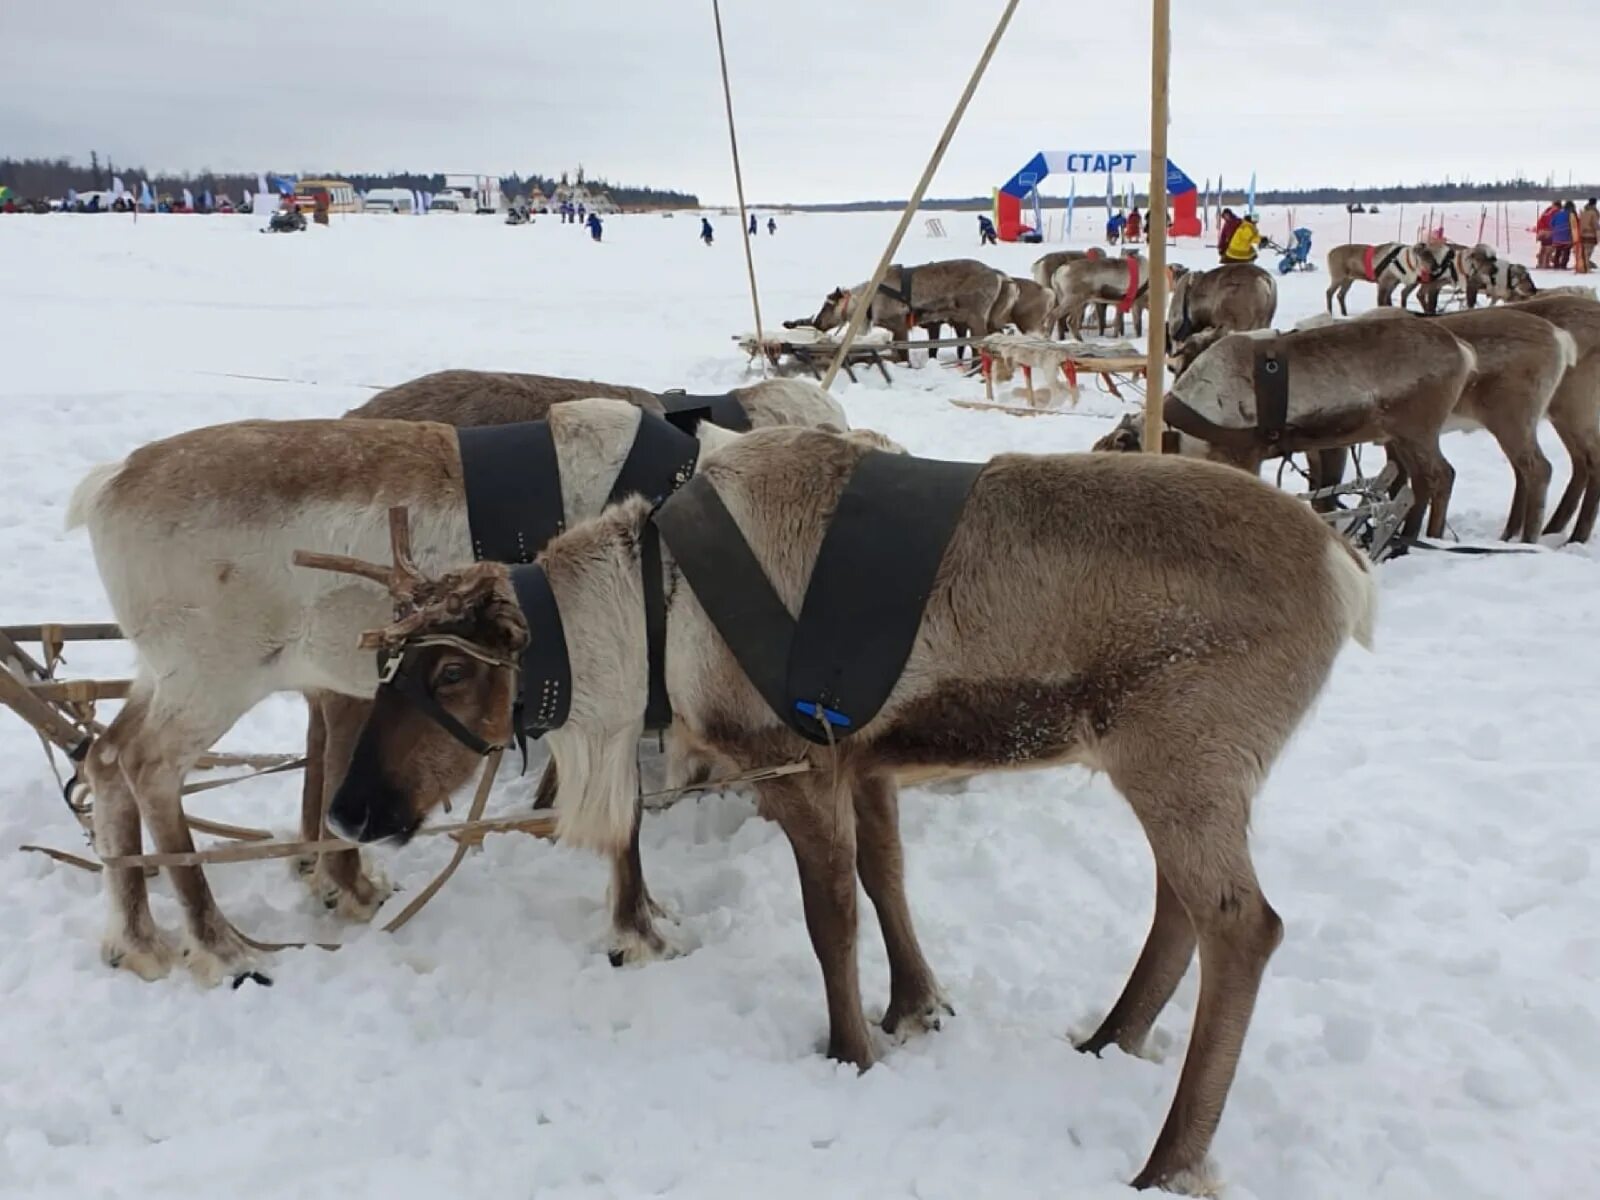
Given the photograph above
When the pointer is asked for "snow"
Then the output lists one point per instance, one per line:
(1427, 1029)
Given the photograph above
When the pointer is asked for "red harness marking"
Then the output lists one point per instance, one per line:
(1366, 263)
(1132, 294)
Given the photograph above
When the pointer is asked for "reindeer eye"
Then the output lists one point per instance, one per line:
(451, 673)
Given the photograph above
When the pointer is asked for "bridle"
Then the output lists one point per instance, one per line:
(394, 675)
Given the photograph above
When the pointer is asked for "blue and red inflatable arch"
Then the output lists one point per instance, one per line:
(1181, 191)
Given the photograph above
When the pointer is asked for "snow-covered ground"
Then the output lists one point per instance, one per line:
(1427, 1030)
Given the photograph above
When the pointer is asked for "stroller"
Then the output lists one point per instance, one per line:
(1297, 255)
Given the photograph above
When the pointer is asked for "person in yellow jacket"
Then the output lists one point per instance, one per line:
(1242, 246)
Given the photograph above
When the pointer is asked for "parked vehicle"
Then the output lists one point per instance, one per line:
(388, 200)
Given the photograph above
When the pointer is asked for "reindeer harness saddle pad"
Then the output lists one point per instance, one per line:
(513, 481)
(686, 411)
(827, 674)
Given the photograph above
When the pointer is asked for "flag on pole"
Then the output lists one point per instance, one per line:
(1072, 199)
(1250, 204)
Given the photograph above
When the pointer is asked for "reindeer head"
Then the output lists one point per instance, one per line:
(835, 311)
(1519, 283)
(448, 671)
(1126, 438)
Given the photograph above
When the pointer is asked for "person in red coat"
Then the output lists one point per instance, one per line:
(1541, 231)
(1135, 225)
(1225, 232)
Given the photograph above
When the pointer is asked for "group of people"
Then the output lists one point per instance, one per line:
(1126, 229)
(708, 235)
(1562, 228)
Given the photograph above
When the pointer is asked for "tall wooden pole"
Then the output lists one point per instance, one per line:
(859, 309)
(738, 183)
(1156, 367)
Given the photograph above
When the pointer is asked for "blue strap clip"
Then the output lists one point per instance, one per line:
(819, 713)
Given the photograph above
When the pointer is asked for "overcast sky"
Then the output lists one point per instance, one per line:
(836, 100)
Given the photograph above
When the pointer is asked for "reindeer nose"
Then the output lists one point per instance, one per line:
(366, 808)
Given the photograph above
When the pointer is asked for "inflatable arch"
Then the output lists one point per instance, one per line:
(1181, 190)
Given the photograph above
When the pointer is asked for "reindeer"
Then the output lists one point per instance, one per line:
(1029, 308)
(193, 537)
(1453, 264)
(1124, 282)
(1521, 361)
(1575, 408)
(1126, 643)
(1388, 264)
(1205, 305)
(1392, 382)
(1044, 271)
(466, 398)
(962, 292)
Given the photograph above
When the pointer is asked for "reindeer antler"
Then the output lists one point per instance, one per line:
(401, 577)
(419, 600)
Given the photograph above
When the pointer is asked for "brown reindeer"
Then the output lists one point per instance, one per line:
(193, 537)
(1082, 613)
(1521, 361)
(1388, 264)
(1393, 382)
(1029, 308)
(962, 292)
(1205, 305)
(1575, 408)
(1044, 271)
(1124, 282)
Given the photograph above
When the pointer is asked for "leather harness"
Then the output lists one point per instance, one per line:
(903, 292)
(827, 674)
(687, 411)
(1271, 431)
(512, 480)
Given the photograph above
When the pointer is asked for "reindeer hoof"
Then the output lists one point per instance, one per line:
(630, 947)
(923, 1016)
(226, 958)
(359, 901)
(1202, 1179)
(150, 958)
(240, 979)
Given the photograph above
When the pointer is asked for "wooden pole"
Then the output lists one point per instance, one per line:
(1156, 367)
(858, 311)
(738, 183)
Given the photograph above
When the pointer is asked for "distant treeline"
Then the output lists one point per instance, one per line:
(41, 177)
(1421, 193)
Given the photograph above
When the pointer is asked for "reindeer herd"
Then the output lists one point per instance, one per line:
(1081, 612)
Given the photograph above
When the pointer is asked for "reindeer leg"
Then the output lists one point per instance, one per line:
(634, 938)
(1344, 290)
(1161, 967)
(824, 842)
(132, 940)
(1210, 872)
(344, 884)
(1591, 495)
(1532, 471)
(152, 755)
(1573, 440)
(916, 1004)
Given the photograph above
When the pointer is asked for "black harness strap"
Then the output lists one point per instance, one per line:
(546, 671)
(660, 460)
(828, 674)
(1387, 261)
(903, 292)
(657, 708)
(1272, 393)
(513, 484)
(870, 585)
(686, 411)
(1186, 325)
(730, 585)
